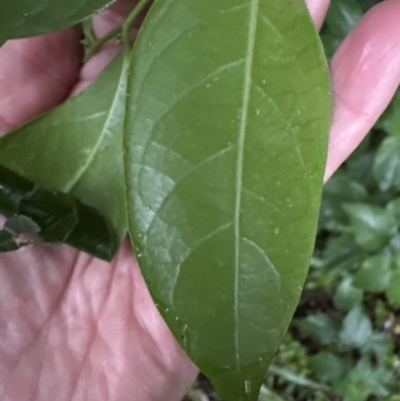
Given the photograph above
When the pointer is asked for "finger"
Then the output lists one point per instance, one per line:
(365, 75)
(318, 10)
(102, 24)
(36, 74)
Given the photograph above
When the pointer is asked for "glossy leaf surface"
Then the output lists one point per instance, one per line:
(226, 136)
(24, 18)
(77, 148)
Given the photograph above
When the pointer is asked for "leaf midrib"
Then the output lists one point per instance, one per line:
(254, 7)
(80, 173)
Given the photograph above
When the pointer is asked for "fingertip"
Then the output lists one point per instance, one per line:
(37, 74)
(365, 75)
(318, 10)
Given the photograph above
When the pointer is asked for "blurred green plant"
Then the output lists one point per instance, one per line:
(344, 342)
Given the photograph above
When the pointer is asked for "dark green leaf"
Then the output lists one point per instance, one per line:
(394, 207)
(379, 344)
(328, 367)
(21, 224)
(296, 378)
(373, 226)
(342, 253)
(226, 136)
(24, 18)
(7, 241)
(390, 119)
(13, 228)
(393, 291)
(347, 296)
(375, 274)
(387, 164)
(365, 379)
(343, 16)
(359, 169)
(357, 328)
(54, 216)
(77, 148)
(321, 326)
(338, 190)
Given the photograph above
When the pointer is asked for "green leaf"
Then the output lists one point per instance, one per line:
(24, 18)
(7, 241)
(347, 296)
(357, 328)
(296, 378)
(390, 119)
(375, 274)
(373, 226)
(226, 135)
(359, 169)
(21, 224)
(338, 190)
(364, 380)
(343, 16)
(328, 367)
(54, 216)
(77, 148)
(394, 207)
(321, 326)
(342, 253)
(387, 164)
(393, 291)
(379, 344)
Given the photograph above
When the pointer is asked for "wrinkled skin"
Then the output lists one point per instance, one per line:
(75, 328)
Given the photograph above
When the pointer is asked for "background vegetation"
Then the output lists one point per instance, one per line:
(344, 342)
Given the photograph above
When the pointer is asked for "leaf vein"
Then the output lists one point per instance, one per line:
(254, 8)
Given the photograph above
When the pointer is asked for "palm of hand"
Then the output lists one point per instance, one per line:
(75, 328)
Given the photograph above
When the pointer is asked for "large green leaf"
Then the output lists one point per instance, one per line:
(22, 18)
(226, 135)
(77, 148)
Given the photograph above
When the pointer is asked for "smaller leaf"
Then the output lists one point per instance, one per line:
(24, 18)
(357, 328)
(13, 228)
(387, 164)
(394, 207)
(18, 225)
(56, 217)
(366, 379)
(7, 241)
(295, 378)
(356, 386)
(393, 290)
(390, 119)
(379, 344)
(375, 274)
(328, 367)
(359, 169)
(373, 226)
(339, 189)
(343, 16)
(347, 296)
(342, 253)
(321, 326)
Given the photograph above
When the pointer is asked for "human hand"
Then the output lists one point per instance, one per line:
(76, 328)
